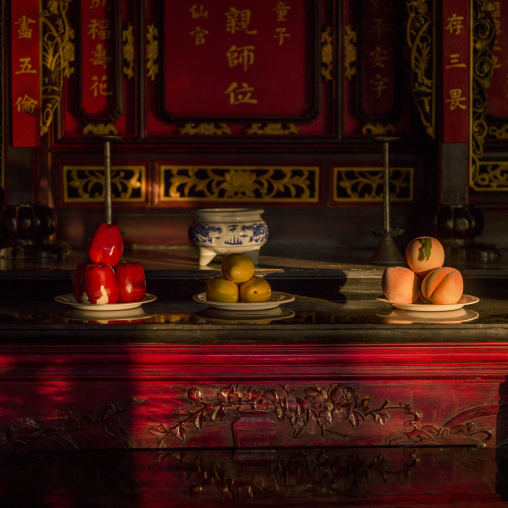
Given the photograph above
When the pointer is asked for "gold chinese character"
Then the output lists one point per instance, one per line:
(379, 27)
(242, 55)
(379, 84)
(455, 62)
(99, 28)
(456, 99)
(100, 56)
(281, 33)
(26, 104)
(199, 35)
(238, 21)
(94, 4)
(455, 24)
(198, 11)
(100, 87)
(25, 67)
(24, 30)
(282, 11)
(238, 95)
(378, 57)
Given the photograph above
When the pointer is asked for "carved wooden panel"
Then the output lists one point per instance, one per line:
(239, 183)
(363, 184)
(85, 184)
(163, 396)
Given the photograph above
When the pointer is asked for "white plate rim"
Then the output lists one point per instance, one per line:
(275, 300)
(431, 318)
(430, 307)
(68, 299)
(237, 317)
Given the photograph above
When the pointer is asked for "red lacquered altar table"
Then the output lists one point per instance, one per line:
(337, 390)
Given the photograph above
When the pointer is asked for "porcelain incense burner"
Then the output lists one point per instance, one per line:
(226, 230)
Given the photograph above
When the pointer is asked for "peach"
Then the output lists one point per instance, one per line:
(424, 254)
(400, 284)
(442, 286)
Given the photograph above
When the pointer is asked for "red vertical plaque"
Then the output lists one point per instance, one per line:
(99, 66)
(256, 60)
(456, 66)
(26, 73)
(379, 47)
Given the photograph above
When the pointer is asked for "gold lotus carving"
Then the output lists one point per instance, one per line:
(224, 183)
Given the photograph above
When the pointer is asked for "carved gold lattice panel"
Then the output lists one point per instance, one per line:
(273, 184)
(366, 184)
(492, 176)
(85, 184)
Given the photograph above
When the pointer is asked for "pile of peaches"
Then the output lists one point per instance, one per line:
(426, 279)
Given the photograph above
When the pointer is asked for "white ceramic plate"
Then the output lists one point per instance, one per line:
(430, 307)
(69, 299)
(397, 316)
(275, 300)
(221, 316)
(106, 317)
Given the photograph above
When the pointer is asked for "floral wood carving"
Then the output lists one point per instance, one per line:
(70, 432)
(350, 54)
(152, 52)
(315, 409)
(128, 51)
(327, 53)
(420, 41)
(463, 429)
(205, 129)
(272, 129)
(57, 56)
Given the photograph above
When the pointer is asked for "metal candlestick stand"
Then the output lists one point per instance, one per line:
(107, 177)
(387, 252)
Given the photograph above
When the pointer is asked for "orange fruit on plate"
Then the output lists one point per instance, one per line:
(443, 286)
(424, 254)
(400, 284)
(238, 267)
(220, 289)
(255, 289)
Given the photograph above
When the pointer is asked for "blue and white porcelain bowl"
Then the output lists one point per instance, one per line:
(226, 230)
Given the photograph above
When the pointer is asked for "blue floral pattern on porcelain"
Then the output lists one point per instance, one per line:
(223, 230)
